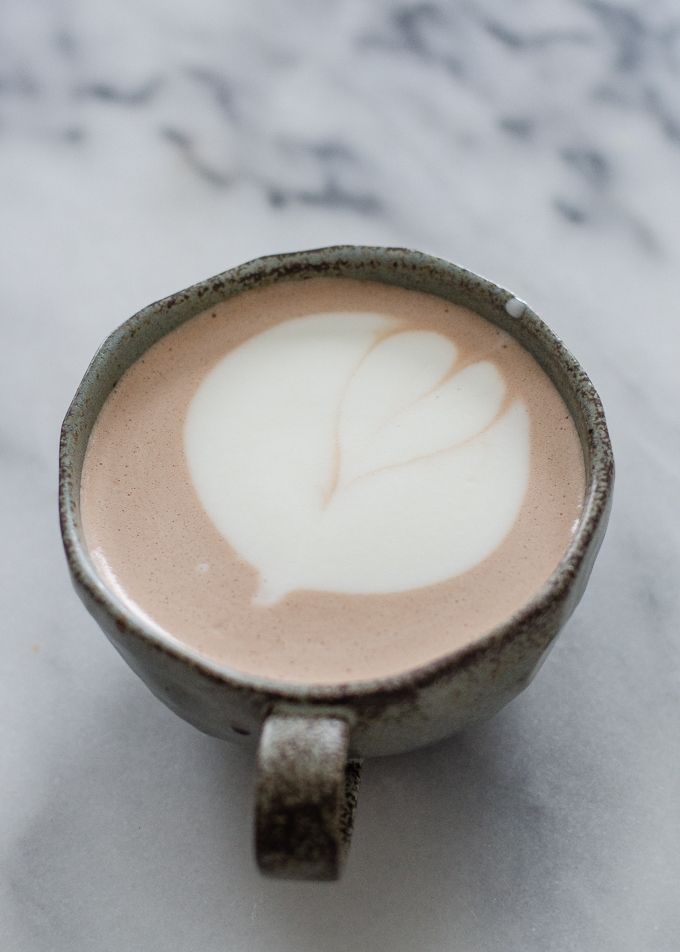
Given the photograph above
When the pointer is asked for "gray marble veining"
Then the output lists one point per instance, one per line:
(144, 146)
(363, 106)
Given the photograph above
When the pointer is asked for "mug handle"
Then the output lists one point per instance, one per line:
(306, 797)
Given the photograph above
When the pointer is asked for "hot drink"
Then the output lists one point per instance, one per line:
(331, 480)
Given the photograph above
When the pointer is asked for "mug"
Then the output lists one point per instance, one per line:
(310, 739)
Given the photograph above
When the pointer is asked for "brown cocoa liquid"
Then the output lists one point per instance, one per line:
(157, 549)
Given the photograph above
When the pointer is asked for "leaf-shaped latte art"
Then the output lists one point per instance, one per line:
(341, 453)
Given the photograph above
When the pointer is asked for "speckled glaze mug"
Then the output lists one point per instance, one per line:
(310, 739)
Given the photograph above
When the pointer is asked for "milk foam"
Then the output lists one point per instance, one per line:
(155, 545)
(342, 452)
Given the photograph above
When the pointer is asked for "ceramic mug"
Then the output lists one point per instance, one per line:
(310, 739)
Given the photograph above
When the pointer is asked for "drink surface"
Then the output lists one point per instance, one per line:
(331, 480)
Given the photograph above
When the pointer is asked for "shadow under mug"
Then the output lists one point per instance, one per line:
(310, 739)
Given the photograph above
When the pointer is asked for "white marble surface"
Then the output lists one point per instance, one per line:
(150, 143)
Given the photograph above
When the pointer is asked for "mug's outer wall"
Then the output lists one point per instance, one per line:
(393, 714)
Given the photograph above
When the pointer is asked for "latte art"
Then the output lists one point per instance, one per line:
(329, 480)
(343, 453)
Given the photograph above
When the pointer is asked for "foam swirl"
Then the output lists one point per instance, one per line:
(342, 453)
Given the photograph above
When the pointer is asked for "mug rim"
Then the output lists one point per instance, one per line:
(594, 440)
